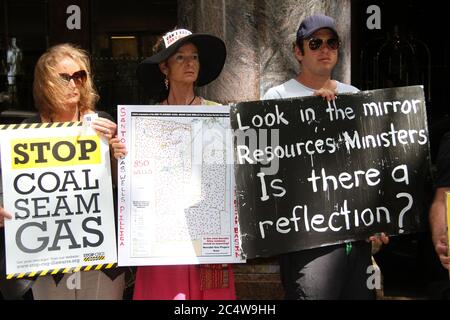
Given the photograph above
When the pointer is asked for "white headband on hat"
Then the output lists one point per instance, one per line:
(172, 37)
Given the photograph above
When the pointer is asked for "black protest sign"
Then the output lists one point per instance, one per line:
(311, 173)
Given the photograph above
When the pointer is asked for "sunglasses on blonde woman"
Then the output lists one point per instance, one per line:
(316, 43)
(78, 77)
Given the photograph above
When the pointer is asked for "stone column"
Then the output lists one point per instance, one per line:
(234, 22)
(259, 36)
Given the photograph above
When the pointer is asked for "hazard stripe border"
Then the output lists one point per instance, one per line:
(60, 270)
(40, 125)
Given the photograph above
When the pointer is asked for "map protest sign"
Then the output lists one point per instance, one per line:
(311, 173)
(176, 186)
(57, 186)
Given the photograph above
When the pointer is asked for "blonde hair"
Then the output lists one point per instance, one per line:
(49, 90)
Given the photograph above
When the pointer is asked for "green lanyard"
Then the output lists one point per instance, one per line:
(348, 248)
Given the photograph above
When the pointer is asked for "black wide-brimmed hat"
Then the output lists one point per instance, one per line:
(212, 54)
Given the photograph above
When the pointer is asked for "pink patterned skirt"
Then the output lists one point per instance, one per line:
(178, 283)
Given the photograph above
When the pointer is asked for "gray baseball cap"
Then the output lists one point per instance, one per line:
(313, 23)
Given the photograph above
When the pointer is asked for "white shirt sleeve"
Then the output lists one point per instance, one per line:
(272, 93)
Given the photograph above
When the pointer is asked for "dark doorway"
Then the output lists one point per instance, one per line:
(408, 49)
(121, 37)
(117, 34)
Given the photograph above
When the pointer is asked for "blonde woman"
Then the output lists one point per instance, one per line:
(63, 91)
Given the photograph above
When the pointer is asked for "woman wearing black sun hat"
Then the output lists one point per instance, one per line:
(160, 74)
(182, 61)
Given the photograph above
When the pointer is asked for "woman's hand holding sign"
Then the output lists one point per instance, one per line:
(105, 127)
(118, 149)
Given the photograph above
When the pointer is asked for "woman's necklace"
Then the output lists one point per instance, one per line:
(168, 103)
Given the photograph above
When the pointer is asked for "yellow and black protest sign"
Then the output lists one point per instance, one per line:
(57, 186)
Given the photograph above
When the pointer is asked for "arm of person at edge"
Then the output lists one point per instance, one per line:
(3, 215)
(330, 92)
(438, 226)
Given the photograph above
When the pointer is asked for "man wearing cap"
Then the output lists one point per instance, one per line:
(317, 61)
(337, 271)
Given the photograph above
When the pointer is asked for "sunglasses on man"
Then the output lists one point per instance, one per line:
(316, 43)
(78, 77)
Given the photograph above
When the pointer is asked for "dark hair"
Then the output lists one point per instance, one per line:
(159, 45)
(299, 43)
